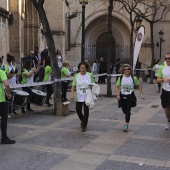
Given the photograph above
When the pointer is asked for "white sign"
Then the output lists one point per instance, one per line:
(138, 43)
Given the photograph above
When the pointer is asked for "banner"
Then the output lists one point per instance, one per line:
(138, 43)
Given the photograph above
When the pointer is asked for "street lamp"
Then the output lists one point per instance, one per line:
(83, 3)
(161, 34)
(138, 22)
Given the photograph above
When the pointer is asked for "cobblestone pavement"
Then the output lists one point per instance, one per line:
(48, 142)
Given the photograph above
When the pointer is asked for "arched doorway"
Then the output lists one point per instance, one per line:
(102, 47)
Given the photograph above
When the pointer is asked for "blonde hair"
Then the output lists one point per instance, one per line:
(65, 63)
(123, 66)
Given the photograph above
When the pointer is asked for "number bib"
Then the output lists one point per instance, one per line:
(82, 90)
(126, 89)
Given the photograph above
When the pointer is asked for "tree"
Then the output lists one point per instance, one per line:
(152, 11)
(129, 6)
(38, 4)
(110, 9)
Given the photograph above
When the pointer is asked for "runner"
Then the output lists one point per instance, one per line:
(125, 92)
(155, 69)
(163, 76)
(82, 81)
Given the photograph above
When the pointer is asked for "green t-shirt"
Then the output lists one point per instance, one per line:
(24, 77)
(47, 74)
(2, 91)
(127, 84)
(64, 71)
(159, 74)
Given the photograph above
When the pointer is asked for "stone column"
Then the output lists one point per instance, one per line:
(14, 30)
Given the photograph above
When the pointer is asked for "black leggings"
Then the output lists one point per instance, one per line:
(126, 108)
(64, 86)
(4, 117)
(159, 86)
(83, 118)
(49, 89)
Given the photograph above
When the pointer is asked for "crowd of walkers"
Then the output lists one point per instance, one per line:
(38, 68)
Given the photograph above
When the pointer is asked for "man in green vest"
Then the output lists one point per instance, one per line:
(3, 106)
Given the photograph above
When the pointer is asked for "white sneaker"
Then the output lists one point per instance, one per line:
(167, 127)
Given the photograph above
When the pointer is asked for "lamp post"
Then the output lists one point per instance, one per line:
(83, 3)
(161, 34)
(138, 22)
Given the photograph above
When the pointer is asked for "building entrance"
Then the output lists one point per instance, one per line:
(102, 47)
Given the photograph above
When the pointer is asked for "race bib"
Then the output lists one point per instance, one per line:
(83, 90)
(126, 89)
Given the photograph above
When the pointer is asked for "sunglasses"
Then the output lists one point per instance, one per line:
(126, 69)
(167, 58)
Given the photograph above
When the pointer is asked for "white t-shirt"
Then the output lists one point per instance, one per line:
(82, 83)
(127, 84)
(30, 79)
(59, 60)
(164, 72)
(12, 80)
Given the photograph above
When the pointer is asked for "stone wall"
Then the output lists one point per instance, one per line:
(4, 31)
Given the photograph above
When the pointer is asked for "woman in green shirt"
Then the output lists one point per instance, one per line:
(125, 92)
(47, 77)
(27, 77)
(64, 84)
(82, 82)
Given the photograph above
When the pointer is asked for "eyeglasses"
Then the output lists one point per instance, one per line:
(167, 58)
(126, 69)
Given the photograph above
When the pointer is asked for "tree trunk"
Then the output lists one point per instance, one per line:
(52, 50)
(152, 50)
(110, 9)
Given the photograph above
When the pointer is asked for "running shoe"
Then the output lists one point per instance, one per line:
(7, 141)
(83, 129)
(167, 127)
(125, 128)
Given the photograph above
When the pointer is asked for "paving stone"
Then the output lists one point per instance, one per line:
(87, 157)
(67, 140)
(144, 149)
(92, 125)
(71, 165)
(112, 115)
(153, 131)
(14, 159)
(159, 118)
(114, 165)
(36, 119)
(14, 131)
(100, 148)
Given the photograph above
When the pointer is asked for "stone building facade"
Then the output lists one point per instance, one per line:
(20, 32)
